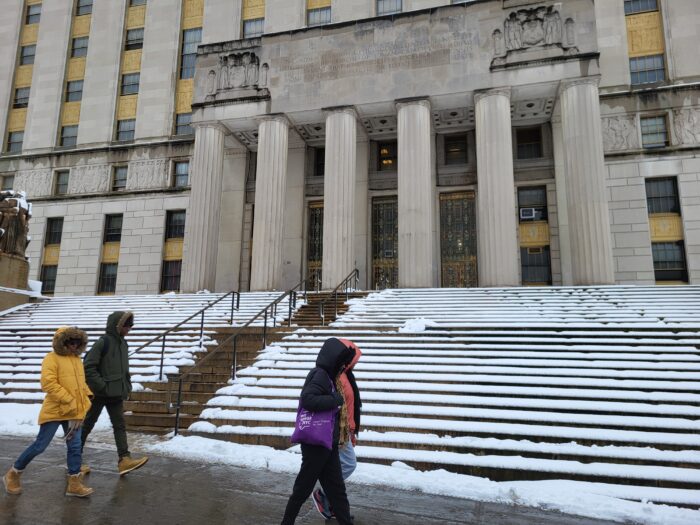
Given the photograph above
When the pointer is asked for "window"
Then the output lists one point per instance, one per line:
(21, 98)
(48, 279)
(182, 124)
(170, 276)
(14, 141)
(134, 39)
(456, 149)
(74, 91)
(125, 129)
(119, 178)
(79, 47)
(26, 55)
(190, 40)
(535, 265)
(317, 17)
(529, 143)
(7, 182)
(113, 228)
(182, 174)
(532, 204)
(662, 195)
(108, 278)
(137, 2)
(253, 28)
(54, 230)
(319, 162)
(639, 6)
(654, 133)
(175, 224)
(33, 14)
(69, 135)
(130, 83)
(387, 156)
(387, 7)
(647, 70)
(84, 7)
(61, 186)
(669, 261)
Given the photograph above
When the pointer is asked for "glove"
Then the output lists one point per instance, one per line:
(339, 400)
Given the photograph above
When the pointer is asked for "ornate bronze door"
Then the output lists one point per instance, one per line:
(314, 249)
(385, 245)
(458, 239)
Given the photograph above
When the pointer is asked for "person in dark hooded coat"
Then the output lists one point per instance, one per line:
(317, 462)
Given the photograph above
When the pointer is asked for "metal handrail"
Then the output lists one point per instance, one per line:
(272, 309)
(353, 275)
(235, 305)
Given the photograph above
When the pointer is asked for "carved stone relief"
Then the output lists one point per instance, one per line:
(14, 223)
(89, 179)
(147, 174)
(35, 183)
(240, 71)
(686, 124)
(619, 133)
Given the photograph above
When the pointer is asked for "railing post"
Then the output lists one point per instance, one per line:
(162, 356)
(235, 358)
(233, 302)
(201, 331)
(265, 331)
(335, 300)
(177, 408)
(322, 313)
(292, 298)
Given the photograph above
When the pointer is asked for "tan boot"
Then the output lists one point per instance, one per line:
(127, 464)
(84, 469)
(11, 481)
(76, 488)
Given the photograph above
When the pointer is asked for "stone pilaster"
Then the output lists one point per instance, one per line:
(497, 241)
(416, 195)
(339, 196)
(562, 205)
(589, 222)
(270, 188)
(203, 215)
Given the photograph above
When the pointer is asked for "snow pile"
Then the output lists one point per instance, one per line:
(412, 326)
(20, 419)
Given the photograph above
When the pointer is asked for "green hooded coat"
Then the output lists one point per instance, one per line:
(107, 362)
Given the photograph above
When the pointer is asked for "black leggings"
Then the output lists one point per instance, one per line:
(319, 463)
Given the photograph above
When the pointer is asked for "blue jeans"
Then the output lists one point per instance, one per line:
(46, 433)
(348, 464)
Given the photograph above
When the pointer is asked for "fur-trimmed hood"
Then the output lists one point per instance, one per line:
(115, 322)
(69, 332)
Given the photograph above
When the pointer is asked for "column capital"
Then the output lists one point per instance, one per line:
(593, 80)
(483, 93)
(412, 101)
(274, 117)
(214, 125)
(350, 110)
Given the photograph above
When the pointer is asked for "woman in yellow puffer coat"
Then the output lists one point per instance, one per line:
(65, 405)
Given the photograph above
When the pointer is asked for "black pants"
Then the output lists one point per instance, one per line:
(115, 409)
(319, 463)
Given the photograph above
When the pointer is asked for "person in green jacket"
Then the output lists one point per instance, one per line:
(107, 375)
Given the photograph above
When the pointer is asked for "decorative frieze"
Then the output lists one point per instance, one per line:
(147, 174)
(89, 179)
(35, 183)
(686, 123)
(238, 75)
(619, 133)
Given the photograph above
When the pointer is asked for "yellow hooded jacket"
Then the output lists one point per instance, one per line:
(63, 379)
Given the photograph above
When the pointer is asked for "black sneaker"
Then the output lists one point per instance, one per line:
(318, 498)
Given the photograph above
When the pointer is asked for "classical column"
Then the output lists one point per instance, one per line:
(416, 181)
(339, 196)
(589, 222)
(562, 206)
(270, 188)
(203, 213)
(497, 241)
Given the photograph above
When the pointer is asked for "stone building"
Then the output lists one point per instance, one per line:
(249, 144)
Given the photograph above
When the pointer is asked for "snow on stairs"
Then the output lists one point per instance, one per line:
(310, 313)
(596, 384)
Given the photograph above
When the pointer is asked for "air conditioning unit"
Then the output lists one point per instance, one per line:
(527, 213)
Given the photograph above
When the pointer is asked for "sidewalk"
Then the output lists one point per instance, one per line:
(171, 492)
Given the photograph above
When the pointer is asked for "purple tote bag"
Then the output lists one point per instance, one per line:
(315, 428)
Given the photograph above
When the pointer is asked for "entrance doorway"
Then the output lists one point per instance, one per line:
(458, 239)
(314, 248)
(385, 242)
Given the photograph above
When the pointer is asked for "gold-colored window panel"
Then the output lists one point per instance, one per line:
(192, 14)
(666, 227)
(81, 25)
(136, 17)
(17, 119)
(131, 61)
(23, 78)
(317, 4)
(110, 252)
(32, 2)
(172, 250)
(76, 69)
(645, 34)
(253, 9)
(30, 34)
(126, 108)
(51, 254)
(534, 234)
(183, 95)
(71, 114)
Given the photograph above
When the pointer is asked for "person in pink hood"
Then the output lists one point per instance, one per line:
(349, 427)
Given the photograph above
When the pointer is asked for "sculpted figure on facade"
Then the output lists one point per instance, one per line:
(14, 223)
(239, 70)
(619, 133)
(147, 174)
(37, 183)
(552, 27)
(223, 72)
(528, 28)
(89, 179)
(686, 123)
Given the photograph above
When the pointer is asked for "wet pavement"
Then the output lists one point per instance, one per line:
(169, 491)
